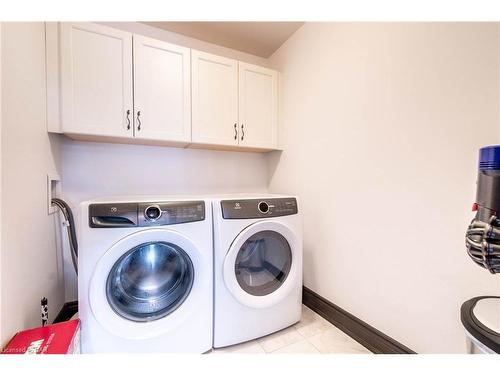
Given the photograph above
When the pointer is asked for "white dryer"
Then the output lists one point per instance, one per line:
(145, 275)
(257, 267)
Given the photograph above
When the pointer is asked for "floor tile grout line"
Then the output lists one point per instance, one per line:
(260, 346)
(350, 347)
(296, 330)
(350, 342)
(286, 346)
(318, 349)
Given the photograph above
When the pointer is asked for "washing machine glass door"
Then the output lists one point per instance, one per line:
(146, 284)
(149, 281)
(261, 266)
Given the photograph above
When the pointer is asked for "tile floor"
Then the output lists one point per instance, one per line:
(312, 334)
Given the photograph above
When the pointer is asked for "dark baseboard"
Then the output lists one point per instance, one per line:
(368, 336)
(67, 311)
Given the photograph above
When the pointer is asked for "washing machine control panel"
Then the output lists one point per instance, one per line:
(258, 208)
(145, 214)
(168, 213)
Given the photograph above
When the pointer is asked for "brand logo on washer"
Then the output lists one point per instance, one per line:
(237, 206)
(113, 209)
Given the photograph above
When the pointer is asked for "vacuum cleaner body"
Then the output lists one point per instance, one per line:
(483, 235)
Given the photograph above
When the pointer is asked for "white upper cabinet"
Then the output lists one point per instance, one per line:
(96, 80)
(234, 104)
(162, 92)
(105, 84)
(214, 99)
(258, 106)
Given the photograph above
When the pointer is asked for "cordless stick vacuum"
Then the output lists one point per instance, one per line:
(483, 235)
(482, 240)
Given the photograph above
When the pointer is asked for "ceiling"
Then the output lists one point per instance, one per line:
(257, 38)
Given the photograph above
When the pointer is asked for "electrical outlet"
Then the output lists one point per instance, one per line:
(53, 191)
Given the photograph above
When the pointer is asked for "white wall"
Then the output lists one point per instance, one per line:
(30, 267)
(100, 169)
(382, 126)
(90, 170)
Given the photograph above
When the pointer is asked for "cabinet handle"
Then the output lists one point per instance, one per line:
(242, 132)
(235, 131)
(139, 120)
(128, 119)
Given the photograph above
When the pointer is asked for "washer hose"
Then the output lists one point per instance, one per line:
(70, 226)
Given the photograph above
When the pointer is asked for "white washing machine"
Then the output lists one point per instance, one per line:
(145, 281)
(257, 267)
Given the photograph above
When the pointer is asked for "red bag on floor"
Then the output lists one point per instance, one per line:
(59, 338)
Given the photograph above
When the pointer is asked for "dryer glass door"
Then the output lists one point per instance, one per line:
(149, 281)
(263, 263)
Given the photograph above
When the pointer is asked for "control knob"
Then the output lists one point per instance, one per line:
(152, 213)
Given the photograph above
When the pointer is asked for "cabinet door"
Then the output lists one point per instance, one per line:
(162, 96)
(258, 106)
(96, 80)
(215, 99)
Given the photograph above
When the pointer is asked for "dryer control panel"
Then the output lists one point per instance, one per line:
(144, 214)
(258, 208)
